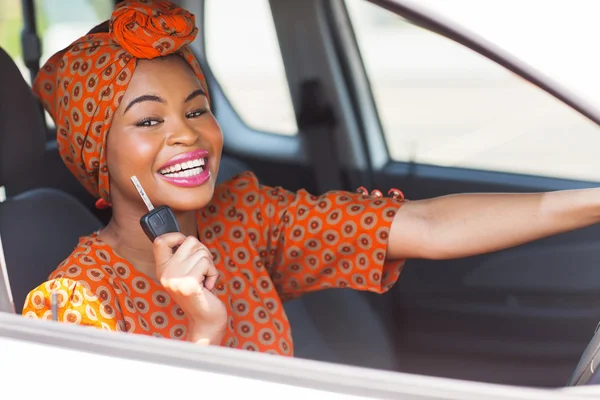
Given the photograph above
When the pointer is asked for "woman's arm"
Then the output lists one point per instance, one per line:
(469, 224)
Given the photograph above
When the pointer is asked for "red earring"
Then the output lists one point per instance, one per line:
(102, 204)
(377, 194)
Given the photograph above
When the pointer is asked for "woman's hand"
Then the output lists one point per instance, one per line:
(188, 275)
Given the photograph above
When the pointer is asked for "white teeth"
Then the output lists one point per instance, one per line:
(196, 171)
(181, 169)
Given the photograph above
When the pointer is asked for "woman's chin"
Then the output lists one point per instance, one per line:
(185, 197)
(189, 200)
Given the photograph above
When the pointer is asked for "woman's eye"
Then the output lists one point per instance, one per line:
(147, 122)
(197, 113)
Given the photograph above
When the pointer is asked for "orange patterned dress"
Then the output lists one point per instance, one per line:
(269, 245)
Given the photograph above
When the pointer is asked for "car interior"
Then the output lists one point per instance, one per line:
(523, 316)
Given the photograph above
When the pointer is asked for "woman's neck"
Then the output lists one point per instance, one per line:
(125, 235)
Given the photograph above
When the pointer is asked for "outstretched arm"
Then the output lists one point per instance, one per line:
(469, 224)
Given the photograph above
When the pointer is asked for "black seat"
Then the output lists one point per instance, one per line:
(39, 226)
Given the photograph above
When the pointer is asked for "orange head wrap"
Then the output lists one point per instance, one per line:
(82, 85)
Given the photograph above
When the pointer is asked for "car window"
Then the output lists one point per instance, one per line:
(11, 24)
(58, 22)
(247, 63)
(442, 104)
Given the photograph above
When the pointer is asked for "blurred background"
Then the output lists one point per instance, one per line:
(439, 103)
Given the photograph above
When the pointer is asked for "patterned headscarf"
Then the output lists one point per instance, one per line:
(82, 85)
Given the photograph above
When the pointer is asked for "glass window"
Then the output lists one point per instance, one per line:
(243, 52)
(11, 24)
(59, 22)
(442, 104)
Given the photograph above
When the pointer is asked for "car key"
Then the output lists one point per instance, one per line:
(157, 221)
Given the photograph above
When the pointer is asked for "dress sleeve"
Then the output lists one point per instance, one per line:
(76, 305)
(308, 243)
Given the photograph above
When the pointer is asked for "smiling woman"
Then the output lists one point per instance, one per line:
(129, 99)
(126, 106)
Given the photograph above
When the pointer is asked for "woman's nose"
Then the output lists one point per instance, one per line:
(182, 134)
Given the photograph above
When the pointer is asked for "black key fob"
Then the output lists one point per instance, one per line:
(159, 221)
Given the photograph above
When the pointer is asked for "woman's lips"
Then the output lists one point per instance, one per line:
(187, 170)
(184, 158)
(188, 181)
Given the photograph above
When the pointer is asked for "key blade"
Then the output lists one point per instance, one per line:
(142, 193)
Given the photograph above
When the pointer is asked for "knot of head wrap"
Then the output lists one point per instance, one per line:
(152, 29)
(82, 86)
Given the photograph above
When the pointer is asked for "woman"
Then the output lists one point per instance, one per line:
(129, 99)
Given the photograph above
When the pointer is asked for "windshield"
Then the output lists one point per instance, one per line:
(558, 38)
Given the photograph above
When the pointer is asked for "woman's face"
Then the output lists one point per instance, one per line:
(164, 133)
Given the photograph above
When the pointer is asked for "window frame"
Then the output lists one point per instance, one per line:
(278, 374)
(240, 139)
(435, 23)
(31, 48)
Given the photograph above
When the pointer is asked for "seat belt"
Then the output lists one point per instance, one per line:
(316, 121)
(30, 41)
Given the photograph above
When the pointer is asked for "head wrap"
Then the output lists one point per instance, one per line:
(82, 85)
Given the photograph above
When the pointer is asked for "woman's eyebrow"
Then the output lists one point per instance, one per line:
(195, 93)
(145, 97)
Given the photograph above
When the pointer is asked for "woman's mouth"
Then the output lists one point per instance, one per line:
(187, 170)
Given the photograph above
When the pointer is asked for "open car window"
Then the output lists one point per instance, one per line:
(443, 104)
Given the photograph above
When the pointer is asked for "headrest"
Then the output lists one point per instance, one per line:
(22, 130)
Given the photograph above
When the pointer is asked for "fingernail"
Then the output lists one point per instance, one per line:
(362, 190)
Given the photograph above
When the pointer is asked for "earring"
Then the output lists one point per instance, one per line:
(102, 204)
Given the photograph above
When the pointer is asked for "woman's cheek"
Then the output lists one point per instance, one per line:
(140, 152)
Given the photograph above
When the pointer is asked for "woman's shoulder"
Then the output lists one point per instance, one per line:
(91, 259)
(231, 191)
(85, 283)
(245, 190)
(239, 182)
(76, 303)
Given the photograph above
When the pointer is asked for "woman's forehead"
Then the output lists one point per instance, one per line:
(165, 74)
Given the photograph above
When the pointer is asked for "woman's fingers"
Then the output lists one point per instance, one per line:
(163, 247)
(189, 246)
(192, 281)
(184, 275)
(211, 276)
(193, 273)
(166, 256)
